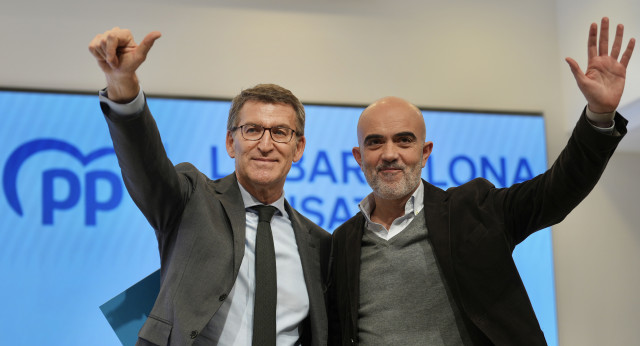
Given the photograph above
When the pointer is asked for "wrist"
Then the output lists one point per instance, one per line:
(600, 109)
(122, 89)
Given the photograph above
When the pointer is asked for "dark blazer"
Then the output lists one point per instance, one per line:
(200, 227)
(474, 229)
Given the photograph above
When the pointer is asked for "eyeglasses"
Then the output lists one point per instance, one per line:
(253, 132)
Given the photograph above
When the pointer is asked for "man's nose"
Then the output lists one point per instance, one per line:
(265, 143)
(389, 152)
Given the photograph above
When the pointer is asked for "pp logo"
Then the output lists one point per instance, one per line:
(52, 201)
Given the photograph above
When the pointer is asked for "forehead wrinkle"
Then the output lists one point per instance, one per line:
(393, 136)
(283, 125)
(271, 114)
(391, 110)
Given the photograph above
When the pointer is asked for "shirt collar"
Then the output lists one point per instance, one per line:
(414, 205)
(250, 201)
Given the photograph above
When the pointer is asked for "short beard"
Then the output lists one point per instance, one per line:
(395, 190)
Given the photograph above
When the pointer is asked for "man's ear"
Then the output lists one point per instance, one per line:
(301, 142)
(426, 152)
(230, 150)
(356, 155)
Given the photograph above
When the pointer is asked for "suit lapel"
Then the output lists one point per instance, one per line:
(436, 211)
(310, 261)
(437, 214)
(231, 199)
(308, 257)
(352, 250)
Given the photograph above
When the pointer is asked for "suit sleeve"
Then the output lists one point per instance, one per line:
(148, 174)
(548, 198)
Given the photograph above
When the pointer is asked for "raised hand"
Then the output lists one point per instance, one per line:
(603, 83)
(119, 57)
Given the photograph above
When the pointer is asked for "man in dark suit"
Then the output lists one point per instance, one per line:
(217, 286)
(423, 266)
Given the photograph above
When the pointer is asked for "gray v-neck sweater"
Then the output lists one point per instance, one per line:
(403, 298)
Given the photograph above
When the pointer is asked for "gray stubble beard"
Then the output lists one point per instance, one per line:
(399, 189)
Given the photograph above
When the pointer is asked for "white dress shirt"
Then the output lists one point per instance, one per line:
(413, 206)
(233, 322)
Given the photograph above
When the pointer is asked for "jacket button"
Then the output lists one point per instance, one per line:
(223, 297)
(194, 333)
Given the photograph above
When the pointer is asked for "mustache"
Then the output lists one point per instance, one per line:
(389, 166)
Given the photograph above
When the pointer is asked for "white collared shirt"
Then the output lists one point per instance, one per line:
(414, 205)
(233, 322)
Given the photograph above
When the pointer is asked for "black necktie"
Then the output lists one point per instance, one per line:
(264, 310)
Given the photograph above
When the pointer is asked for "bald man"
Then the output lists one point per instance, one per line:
(422, 266)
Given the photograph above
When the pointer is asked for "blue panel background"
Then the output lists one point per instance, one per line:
(56, 272)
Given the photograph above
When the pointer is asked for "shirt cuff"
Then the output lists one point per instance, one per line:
(123, 109)
(601, 117)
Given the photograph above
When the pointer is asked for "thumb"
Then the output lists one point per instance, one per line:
(147, 43)
(575, 69)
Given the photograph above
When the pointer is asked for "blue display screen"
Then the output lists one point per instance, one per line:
(71, 238)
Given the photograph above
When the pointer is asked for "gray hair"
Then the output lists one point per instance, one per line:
(266, 93)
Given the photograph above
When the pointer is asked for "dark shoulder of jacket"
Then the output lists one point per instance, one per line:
(350, 225)
(477, 189)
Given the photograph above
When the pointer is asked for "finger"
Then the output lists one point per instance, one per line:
(617, 42)
(96, 49)
(116, 38)
(603, 48)
(626, 56)
(147, 43)
(575, 69)
(578, 75)
(110, 47)
(592, 49)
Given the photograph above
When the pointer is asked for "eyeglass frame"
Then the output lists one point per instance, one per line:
(264, 129)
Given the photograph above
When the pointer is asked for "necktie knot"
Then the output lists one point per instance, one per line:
(265, 212)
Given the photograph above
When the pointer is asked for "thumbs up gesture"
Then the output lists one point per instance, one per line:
(119, 57)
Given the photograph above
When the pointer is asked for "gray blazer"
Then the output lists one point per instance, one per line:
(200, 227)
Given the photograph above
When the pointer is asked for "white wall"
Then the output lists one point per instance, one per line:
(494, 54)
(597, 248)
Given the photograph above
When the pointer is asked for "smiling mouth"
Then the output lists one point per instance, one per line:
(264, 160)
(391, 169)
